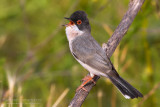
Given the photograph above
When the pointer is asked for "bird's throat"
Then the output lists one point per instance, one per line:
(72, 32)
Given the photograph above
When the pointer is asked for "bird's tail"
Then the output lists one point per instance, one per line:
(125, 88)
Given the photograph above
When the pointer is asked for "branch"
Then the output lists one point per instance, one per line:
(110, 46)
(121, 30)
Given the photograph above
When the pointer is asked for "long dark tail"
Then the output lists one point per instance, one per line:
(125, 88)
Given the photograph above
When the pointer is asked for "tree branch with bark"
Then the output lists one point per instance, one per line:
(110, 46)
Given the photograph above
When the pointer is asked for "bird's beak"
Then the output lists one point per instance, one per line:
(68, 23)
(67, 18)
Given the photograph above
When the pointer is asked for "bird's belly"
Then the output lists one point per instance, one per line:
(91, 70)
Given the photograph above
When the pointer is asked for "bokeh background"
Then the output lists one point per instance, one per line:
(37, 69)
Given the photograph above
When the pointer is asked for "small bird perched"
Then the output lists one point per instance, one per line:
(91, 56)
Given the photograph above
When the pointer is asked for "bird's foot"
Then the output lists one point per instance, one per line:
(81, 87)
(87, 79)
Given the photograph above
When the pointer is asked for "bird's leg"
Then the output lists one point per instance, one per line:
(88, 77)
(86, 80)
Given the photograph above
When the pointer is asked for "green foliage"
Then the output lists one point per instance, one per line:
(36, 65)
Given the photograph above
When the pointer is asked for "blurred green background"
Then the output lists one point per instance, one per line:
(37, 69)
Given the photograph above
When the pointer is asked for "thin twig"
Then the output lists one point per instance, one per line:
(149, 94)
(61, 97)
(51, 94)
(110, 46)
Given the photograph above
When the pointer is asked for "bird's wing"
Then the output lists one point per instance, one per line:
(87, 50)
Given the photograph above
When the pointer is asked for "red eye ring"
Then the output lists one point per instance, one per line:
(79, 22)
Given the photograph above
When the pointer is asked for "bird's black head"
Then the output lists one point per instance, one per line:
(79, 18)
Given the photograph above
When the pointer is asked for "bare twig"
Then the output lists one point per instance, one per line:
(110, 46)
(134, 7)
(61, 97)
(149, 94)
(50, 98)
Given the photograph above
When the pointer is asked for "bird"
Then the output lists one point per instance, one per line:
(91, 56)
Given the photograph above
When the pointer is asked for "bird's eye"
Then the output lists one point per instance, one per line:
(71, 22)
(79, 22)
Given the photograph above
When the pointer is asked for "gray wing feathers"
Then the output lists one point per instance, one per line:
(88, 51)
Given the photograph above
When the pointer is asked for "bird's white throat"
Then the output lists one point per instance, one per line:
(72, 32)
